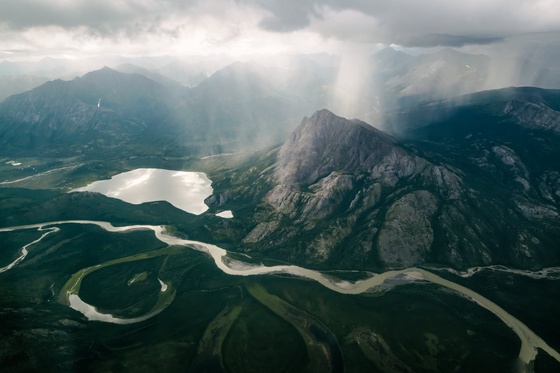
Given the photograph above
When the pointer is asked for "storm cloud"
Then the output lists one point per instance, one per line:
(214, 26)
(415, 23)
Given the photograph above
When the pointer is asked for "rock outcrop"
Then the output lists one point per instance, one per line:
(345, 172)
(465, 191)
(535, 115)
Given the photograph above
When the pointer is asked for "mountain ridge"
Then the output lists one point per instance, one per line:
(415, 202)
(91, 110)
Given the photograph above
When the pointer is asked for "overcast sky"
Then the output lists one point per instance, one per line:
(79, 28)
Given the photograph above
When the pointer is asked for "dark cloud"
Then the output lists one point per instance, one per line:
(287, 16)
(456, 41)
(415, 23)
(412, 23)
(97, 15)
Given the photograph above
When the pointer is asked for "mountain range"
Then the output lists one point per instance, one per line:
(228, 112)
(431, 178)
(259, 101)
(463, 181)
(480, 186)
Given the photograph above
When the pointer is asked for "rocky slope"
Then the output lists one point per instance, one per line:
(340, 193)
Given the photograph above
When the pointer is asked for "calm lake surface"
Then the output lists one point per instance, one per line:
(184, 190)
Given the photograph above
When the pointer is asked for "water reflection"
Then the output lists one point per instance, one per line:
(184, 190)
(228, 214)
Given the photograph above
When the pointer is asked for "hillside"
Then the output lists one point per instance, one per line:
(480, 188)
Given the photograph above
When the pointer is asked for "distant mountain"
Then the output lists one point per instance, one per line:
(62, 68)
(237, 108)
(529, 63)
(245, 105)
(11, 85)
(48, 67)
(388, 59)
(103, 108)
(152, 74)
(481, 187)
(134, 95)
(192, 73)
(443, 74)
(402, 79)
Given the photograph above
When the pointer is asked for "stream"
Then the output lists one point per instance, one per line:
(530, 342)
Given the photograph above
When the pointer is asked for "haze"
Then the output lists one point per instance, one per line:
(64, 39)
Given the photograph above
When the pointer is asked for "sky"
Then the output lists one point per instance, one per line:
(33, 29)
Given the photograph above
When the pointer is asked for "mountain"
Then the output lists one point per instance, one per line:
(48, 67)
(443, 74)
(129, 68)
(133, 95)
(467, 181)
(11, 85)
(236, 109)
(529, 63)
(531, 106)
(192, 73)
(462, 182)
(402, 79)
(481, 187)
(63, 68)
(103, 108)
(388, 59)
(245, 105)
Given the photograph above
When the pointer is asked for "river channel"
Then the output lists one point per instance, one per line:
(530, 342)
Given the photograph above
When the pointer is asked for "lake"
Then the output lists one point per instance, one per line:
(184, 190)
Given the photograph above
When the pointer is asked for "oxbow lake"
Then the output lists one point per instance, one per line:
(184, 190)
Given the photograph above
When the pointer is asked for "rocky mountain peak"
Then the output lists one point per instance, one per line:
(103, 73)
(334, 172)
(107, 79)
(324, 143)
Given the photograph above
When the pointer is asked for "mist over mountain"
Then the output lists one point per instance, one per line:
(368, 82)
(11, 85)
(242, 106)
(454, 185)
(129, 68)
(192, 72)
(338, 184)
(446, 73)
(466, 190)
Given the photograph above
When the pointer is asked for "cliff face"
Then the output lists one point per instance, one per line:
(373, 191)
(340, 193)
(325, 143)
